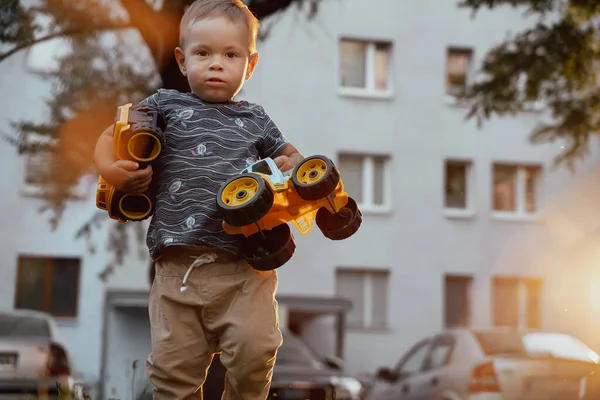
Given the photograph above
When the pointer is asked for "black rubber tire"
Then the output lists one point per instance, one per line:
(250, 212)
(341, 225)
(271, 251)
(321, 188)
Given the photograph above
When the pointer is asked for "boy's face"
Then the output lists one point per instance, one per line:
(216, 58)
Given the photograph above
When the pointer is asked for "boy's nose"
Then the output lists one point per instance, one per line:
(215, 65)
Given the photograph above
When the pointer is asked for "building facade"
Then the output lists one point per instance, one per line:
(462, 225)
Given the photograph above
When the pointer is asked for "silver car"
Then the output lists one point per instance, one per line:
(33, 361)
(495, 364)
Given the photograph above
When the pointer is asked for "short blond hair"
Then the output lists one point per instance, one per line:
(234, 10)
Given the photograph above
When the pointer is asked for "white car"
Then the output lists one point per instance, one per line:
(494, 364)
(33, 361)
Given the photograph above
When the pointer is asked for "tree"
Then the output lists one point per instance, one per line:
(94, 78)
(555, 62)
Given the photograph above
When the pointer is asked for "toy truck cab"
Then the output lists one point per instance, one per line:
(260, 201)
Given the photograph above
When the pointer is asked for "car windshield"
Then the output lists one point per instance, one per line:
(262, 167)
(22, 326)
(294, 352)
(533, 344)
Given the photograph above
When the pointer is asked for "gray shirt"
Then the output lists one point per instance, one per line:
(204, 145)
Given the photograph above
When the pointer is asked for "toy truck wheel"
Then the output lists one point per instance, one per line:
(244, 199)
(315, 177)
(136, 207)
(147, 124)
(341, 225)
(268, 250)
(144, 146)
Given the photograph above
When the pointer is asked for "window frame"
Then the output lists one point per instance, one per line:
(366, 322)
(427, 343)
(469, 210)
(369, 91)
(469, 295)
(520, 212)
(441, 339)
(367, 203)
(48, 262)
(465, 50)
(523, 299)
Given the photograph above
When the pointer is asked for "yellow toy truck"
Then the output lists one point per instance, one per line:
(260, 201)
(138, 133)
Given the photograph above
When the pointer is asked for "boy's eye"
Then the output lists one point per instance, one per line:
(202, 53)
(231, 54)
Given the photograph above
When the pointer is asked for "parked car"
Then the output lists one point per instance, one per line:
(299, 374)
(495, 364)
(33, 361)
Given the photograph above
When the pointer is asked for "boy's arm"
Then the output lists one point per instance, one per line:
(122, 174)
(277, 146)
(288, 158)
(103, 154)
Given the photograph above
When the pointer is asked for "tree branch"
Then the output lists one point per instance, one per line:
(161, 40)
(66, 32)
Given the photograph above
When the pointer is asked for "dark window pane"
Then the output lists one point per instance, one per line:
(531, 181)
(505, 188)
(30, 291)
(65, 279)
(456, 185)
(457, 308)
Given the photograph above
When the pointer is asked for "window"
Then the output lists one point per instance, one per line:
(365, 67)
(457, 302)
(413, 362)
(36, 163)
(456, 183)
(367, 180)
(440, 354)
(516, 302)
(368, 292)
(48, 284)
(458, 65)
(36, 167)
(515, 189)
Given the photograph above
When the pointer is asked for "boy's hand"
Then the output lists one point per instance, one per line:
(284, 163)
(125, 176)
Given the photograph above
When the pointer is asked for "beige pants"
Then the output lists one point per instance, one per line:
(228, 307)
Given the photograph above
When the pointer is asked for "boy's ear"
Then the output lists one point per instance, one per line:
(180, 57)
(252, 61)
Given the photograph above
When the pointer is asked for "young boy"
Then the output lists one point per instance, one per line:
(224, 305)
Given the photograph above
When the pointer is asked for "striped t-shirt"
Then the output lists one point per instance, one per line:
(204, 145)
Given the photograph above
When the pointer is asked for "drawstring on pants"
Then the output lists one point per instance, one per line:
(202, 259)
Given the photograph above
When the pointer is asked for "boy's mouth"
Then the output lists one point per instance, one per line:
(215, 82)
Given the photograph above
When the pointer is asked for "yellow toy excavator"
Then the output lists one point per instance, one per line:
(138, 133)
